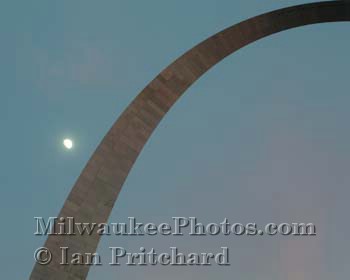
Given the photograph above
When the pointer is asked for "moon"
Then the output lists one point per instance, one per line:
(68, 143)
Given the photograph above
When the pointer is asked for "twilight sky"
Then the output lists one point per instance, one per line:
(262, 137)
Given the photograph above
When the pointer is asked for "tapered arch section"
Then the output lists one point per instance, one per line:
(96, 190)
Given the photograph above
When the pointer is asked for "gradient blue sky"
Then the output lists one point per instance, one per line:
(262, 137)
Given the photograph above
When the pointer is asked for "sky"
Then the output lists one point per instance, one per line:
(262, 137)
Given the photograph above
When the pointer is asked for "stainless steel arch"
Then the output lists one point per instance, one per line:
(97, 188)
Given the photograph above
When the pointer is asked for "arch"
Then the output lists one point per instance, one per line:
(93, 195)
